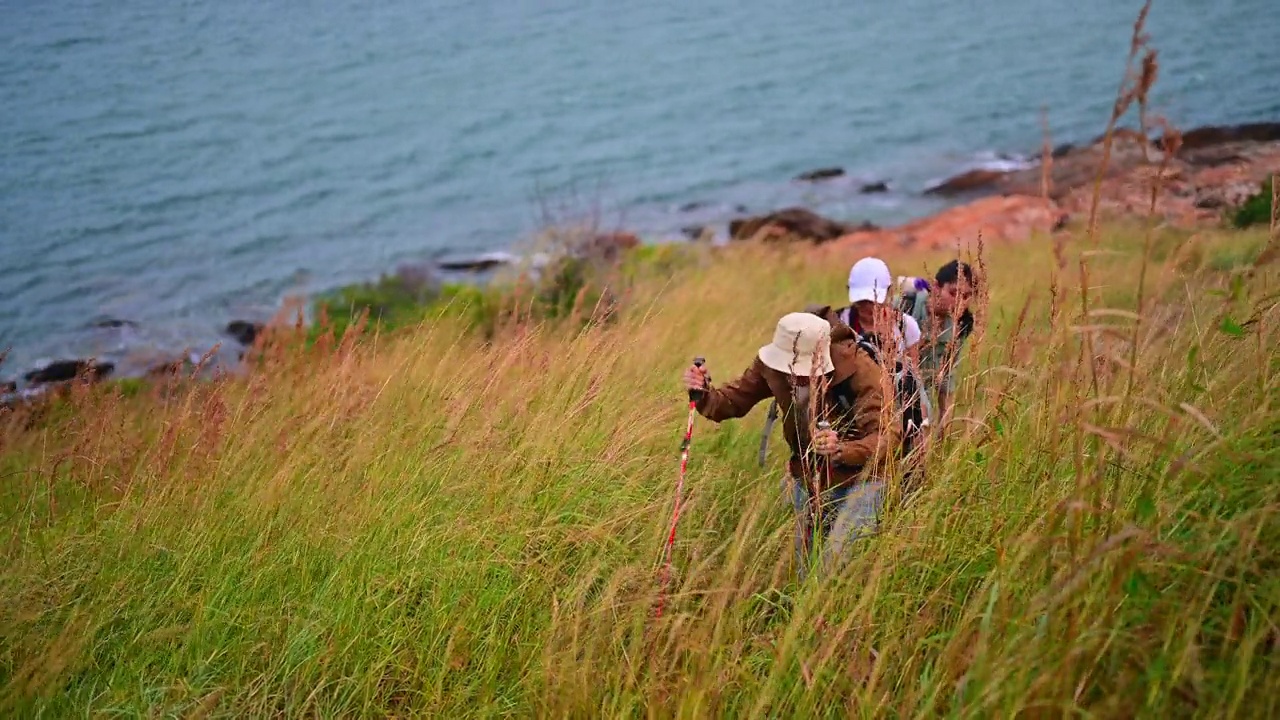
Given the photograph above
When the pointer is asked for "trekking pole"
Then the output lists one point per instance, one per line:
(694, 395)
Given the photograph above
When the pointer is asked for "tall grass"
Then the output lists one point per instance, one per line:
(457, 520)
(431, 524)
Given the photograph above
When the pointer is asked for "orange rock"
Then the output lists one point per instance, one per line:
(1013, 218)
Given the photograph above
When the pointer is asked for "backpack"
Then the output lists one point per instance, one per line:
(908, 392)
(908, 395)
(906, 304)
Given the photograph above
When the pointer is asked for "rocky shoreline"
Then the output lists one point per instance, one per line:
(1213, 169)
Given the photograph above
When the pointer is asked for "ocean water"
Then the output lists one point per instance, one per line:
(178, 164)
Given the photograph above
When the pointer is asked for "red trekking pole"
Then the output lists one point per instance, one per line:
(675, 510)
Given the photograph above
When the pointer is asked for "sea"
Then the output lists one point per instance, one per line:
(167, 166)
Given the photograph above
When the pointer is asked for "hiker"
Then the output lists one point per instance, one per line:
(844, 462)
(869, 313)
(946, 322)
(890, 337)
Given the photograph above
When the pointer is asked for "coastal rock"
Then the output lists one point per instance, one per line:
(1212, 157)
(607, 247)
(693, 232)
(1191, 193)
(792, 222)
(169, 369)
(7, 387)
(820, 174)
(479, 263)
(1078, 167)
(1062, 150)
(65, 370)
(1013, 218)
(243, 331)
(1213, 135)
(111, 323)
(617, 240)
(875, 187)
(966, 182)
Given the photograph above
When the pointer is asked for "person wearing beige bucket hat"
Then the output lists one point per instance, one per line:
(831, 395)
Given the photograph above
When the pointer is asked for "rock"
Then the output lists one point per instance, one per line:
(1012, 218)
(168, 369)
(820, 174)
(1077, 168)
(691, 206)
(618, 240)
(1212, 157)
(8, 387)
(795, 222)
(866, 226)
(875, 187)
(243, 332)
(64, 370)
(1210, 135)
(479, 263)
(1192, 193)
(967, 182)
(1119, 135)
(607, 247)
(1210, 201)
(115, 323)
(1062, 150)
(693, 232)
(996, 219)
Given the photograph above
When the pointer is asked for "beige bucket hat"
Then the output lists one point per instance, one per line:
(800, 341)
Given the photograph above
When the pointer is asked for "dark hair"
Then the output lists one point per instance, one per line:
(950, 273)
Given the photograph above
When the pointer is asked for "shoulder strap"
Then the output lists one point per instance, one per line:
(769, 420)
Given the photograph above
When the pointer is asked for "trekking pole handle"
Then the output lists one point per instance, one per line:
(694, 395)
(823, 425)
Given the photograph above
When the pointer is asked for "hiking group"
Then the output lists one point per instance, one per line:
(853, 386)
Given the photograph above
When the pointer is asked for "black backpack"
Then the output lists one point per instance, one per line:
(908, 394)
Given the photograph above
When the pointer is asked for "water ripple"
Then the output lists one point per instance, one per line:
(180, 155)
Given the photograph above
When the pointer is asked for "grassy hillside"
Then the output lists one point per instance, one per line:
(423, 523)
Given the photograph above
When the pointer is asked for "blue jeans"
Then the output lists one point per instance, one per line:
(847, 513)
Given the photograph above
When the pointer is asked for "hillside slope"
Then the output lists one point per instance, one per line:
(426, 523)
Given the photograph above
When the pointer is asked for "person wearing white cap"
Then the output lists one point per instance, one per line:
(869, 312)
(890, 335)
(842, 464)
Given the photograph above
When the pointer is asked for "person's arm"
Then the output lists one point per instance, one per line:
(737, 397)
(945, 399)
(875, 433)
(911, 336)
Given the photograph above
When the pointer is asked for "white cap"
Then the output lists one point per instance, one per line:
(869, 279)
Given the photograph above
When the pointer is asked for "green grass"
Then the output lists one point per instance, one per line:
(429, 523)
(1256, 210)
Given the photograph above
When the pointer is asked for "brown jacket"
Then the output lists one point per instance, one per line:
(866, 439)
